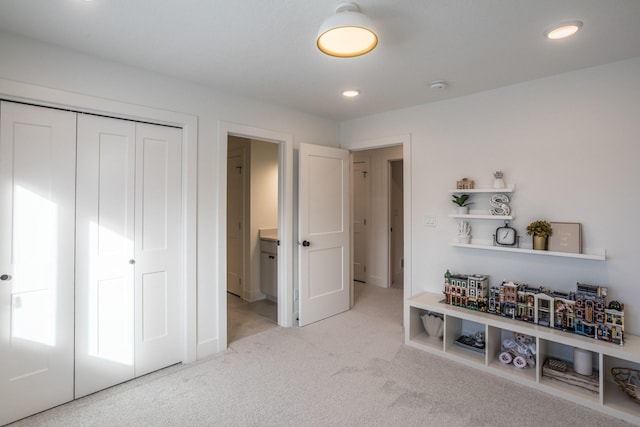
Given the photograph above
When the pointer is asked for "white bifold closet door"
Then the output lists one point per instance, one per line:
(128, 240)
(37, 211)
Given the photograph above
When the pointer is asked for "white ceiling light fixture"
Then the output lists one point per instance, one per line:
(348, 33)
(438, 85)
(350, 93)
(563, 31)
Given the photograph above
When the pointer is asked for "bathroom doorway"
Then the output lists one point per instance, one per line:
(252, 236)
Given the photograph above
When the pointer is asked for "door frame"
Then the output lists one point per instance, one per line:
(389, 163)
(405, 141)
(46, 97)
(245, 217)
(285, 221)
(367, 162)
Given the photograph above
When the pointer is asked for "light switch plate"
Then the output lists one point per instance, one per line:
(429, 221)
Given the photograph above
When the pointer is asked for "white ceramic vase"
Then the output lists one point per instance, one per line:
(464, 239)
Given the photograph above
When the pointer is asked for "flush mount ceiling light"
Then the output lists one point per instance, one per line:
(348, 33)
(563, 31)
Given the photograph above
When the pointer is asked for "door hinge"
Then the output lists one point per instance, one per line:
(364, 221)
(365, 268)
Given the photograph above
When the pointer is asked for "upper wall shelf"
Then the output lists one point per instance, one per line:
(482, 216)
(508, 189)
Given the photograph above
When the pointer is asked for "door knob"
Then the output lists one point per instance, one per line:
(306, 243)
(132, 261)
(5, 277)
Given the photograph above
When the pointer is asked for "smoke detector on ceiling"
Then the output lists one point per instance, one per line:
(438, 85)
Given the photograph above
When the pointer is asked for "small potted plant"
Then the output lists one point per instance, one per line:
(540, 231)
(462, 203)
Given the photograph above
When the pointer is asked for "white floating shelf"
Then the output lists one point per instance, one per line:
(482, 216)
(508, 189)
(592, 254)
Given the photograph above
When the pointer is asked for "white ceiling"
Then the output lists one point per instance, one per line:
(265, 49)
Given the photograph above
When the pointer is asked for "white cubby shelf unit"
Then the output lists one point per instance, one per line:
(550, 343)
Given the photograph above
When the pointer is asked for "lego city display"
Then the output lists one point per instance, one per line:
(582, 312)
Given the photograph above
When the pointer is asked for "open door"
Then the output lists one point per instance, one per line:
(324, 234)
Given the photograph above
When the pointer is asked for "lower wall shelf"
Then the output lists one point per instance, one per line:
(550, 343)
(593, 254)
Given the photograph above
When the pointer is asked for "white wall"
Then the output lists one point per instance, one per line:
(571, 145)
(40, 64)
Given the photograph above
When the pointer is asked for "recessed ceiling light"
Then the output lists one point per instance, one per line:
(563, 31)
(350, 93)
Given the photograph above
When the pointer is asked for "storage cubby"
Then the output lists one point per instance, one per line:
(580, 386)
(455, 328)
(614, 396)
(495, 337)
(605, 396)
(417, 332)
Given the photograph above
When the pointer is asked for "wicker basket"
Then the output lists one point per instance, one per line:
(628, 380)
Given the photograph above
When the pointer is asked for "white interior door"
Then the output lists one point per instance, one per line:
(361, 190)
(158, 248)
(104, 241)
(37, 192)
(324, 253)
(235, 220)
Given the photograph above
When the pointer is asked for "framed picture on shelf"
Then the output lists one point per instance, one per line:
(566, 237)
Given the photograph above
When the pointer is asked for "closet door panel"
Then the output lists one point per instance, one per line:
(158, 247)
(105, 252)
(37, 191)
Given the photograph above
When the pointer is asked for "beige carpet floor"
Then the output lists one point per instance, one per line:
(349, 370)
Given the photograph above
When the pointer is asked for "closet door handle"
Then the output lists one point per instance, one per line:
(132, 261)
(5, 277)
(306, 243)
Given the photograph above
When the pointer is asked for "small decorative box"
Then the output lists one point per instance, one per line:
(464, 184)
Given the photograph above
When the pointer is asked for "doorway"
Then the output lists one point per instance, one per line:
(252, 236)
(378, 216)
